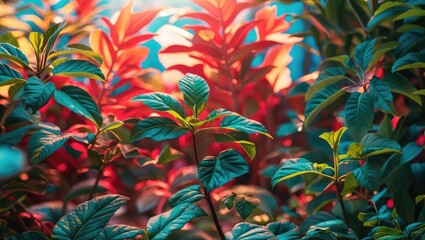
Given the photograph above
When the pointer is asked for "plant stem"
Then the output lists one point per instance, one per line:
(358, 18)
(207, 194)
(338, 187)
(99, 174)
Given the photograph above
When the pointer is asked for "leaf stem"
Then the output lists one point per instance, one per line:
(207, 194)
(338, 187)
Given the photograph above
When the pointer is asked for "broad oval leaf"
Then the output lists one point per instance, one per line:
(331, 229)
(119, 232)
(214, 172)
(410, 60)
(37, 94)
(381, 95)
(162, 102)
(50, 37)
(359, 114)
(78, 68)
(375, 144)
(368, 176)
(333, 138)
(44, 143)
(363, 53)
(295, 167)
(158, 129)
(14, 54)
(399, 84)
(284, 230)
(249, 231)
(320, 101)
(15, 136)
(320, 84)
(195, 92)
(7, 73)
(80, 102)
(190, 194)
(88, 219)
(243, 124)
(160, 226)
(245, 204)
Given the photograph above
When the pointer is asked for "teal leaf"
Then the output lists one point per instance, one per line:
(239, 138)
(195, 92)
(410, 60)
(375, 144)
(363, 53)
(284, 230)
(160, 226)
(381, 95)
(89, 218)
(318, 85)
(31, 235)
(12, 162)
(368, 176)
(359, 114)
(80, 102)
(214, 172)
(320, 101)
(415, 230)
(190, 194)
(286, 129)
(295, 167)
(78, 49)
(37, 94)
(249, 231)
(14, 54)
(15, 136)
(78, 68)
(217, 113)
(158, 129)
(50, 37)
(44, 143)
(387, 11)
(245, 204)
(229, 200)
(119, 232)
(399, 84)
(242, 124)
(7, 73)
(379, 51)
(331, 229)
(162, 102)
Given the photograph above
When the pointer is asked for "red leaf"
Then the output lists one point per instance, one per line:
(140, 20)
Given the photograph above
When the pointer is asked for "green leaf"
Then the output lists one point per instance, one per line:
(78, 68)
(50, 37)
(379, 51)
(36, 40)
(295, 167)
(242, 124)
(333, 138)
(415, 231)
(375, 144)
(162, 102)
(239, 138)
(414, 12)
(410, 60)
(158, 129)
(249, 231)
(229, 200)
(7, 73)
(37, 94)
(387, 11)
(190, 194)
(317, 86)
(32, 235)
(217, 113)
(331, 229)
(168, 155)
(195, 92)
(350, 185)
(359, 114)
(389, 233)
(386, 127)
(214, 172)
(399, 84)
(80, 102)
(160, 226)
(44, 143)
(111, 126)
(363, 53)
(245, 204)
(284, 230)
(419, 198)
(14, 54)
(320, 101)
(119, 232)
(88, 53)
(9, 38)
(88, 219)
